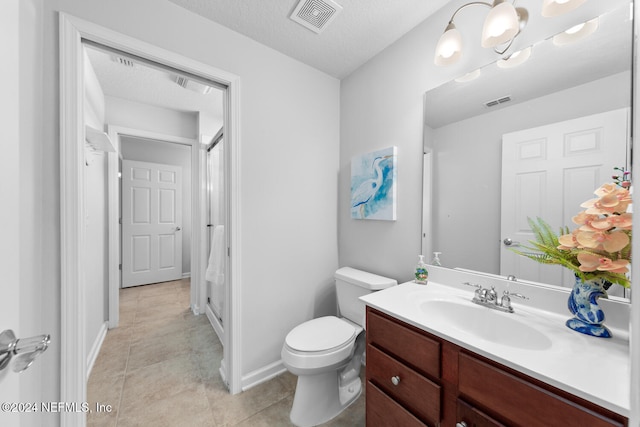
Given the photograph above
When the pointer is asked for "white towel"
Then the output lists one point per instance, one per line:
(215, 269)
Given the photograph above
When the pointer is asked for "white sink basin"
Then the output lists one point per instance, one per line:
(486, 323)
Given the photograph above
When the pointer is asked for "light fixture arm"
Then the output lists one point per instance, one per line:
(464, 6)
(523, 17)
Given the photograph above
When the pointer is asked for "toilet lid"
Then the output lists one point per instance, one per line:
(320, 334)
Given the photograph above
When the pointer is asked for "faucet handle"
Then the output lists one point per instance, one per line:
(492, 295)
(506, 299)
(513, 294)
(474, 285)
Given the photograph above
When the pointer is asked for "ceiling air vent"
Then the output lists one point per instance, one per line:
(498, 101)
(315, 15)
(123, 61)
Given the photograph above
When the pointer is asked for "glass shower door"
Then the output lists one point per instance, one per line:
(215, 272)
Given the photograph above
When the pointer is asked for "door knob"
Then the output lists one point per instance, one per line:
(395, 380)
(178, 228)
(509, 242)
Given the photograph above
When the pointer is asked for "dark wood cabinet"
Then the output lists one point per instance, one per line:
(414, 378)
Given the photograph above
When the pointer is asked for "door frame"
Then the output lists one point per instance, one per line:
(73, 365)
(115, 278)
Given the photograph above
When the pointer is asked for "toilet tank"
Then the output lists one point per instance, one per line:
(351, 284)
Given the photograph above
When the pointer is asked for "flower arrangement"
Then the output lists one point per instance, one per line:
(600, 248)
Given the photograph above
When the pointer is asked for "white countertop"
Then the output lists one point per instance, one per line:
(596, 369)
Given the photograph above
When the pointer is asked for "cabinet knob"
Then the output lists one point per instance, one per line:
(395, 380)
(461, 424)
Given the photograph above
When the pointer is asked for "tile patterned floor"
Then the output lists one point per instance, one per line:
(160, 368)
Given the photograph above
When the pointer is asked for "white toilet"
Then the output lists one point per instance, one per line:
(326, 353)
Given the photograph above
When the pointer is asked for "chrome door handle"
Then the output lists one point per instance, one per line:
(26, 349)
(509, 242)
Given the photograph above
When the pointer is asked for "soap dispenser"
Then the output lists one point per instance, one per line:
(421, 271)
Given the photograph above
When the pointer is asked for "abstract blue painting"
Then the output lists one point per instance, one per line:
(373, 185)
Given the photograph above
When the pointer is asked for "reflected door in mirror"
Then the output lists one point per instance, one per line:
(564, 162)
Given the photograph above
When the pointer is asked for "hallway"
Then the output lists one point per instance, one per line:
(160, 368)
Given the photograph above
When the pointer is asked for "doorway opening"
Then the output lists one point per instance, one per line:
(75, 35)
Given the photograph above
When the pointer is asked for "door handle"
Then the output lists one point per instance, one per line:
(178, 228)
(25, 349)
(509, 242)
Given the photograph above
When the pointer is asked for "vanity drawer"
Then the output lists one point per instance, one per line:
(413, 391)
(413, 348)
(472, 417)
(520, 402)
(384, 411)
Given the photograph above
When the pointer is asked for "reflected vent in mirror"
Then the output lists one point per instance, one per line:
(123, 61)
(498, 101)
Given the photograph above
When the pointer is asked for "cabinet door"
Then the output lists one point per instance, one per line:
(468, 416)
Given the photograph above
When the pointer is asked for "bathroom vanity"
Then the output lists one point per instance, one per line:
(424, 369)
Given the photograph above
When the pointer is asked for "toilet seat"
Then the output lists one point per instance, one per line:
(320, 343)
(321, 334)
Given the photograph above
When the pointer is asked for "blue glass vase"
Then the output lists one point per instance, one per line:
(583, 304)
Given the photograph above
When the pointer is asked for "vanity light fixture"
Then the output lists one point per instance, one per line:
(575, 33)
(515, 59)
(501, 25)
(551, 8)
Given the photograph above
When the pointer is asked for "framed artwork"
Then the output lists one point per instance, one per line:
(373, 185)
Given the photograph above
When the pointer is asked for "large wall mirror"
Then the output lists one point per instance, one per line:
(565, 82)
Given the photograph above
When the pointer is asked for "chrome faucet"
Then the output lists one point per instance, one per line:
(489, 298)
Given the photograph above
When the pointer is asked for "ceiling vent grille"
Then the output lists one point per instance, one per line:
(123, 61)
(193, 85)
(315, 15)
(498, 101)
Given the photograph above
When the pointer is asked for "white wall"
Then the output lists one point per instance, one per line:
(288, 174)
(166, 153)
(382, 105)
(209, 124)
(95, 202)
(135, 115)
(473, 149)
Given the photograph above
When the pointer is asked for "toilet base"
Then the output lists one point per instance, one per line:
(316, 401)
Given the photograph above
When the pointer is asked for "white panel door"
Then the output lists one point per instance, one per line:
(151, 223)
(10, 250)
(548, 172)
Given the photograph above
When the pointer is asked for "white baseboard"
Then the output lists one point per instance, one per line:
(95, 348)
(215, 323)
(261, 375)
(223, 373)
(186, 275)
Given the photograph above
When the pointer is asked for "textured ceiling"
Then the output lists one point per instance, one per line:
(151, 86)
(363, 28)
